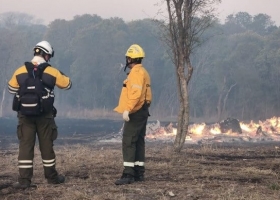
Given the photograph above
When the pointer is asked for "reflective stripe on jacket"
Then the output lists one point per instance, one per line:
(136, 88)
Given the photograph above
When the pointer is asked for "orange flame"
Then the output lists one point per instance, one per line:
(269, 128)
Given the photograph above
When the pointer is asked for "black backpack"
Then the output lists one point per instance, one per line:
(34, 97)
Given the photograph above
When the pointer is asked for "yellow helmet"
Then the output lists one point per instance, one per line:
(135, 51)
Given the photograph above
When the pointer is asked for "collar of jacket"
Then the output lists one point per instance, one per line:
(137, 65)
(37, 60)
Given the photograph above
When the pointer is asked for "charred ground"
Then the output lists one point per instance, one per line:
(209, 171)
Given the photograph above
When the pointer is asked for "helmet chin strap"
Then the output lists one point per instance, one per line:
(127, 63)
(126, 66)
(47, 60)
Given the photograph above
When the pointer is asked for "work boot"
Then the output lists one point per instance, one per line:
(58, 180)
(139, 173)
(139, 177)
(18, 185)
(125, 179)
(23, 186)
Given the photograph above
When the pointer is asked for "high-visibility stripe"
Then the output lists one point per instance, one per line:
(25, 166)
(48, 165)
(49, 94)
(138, 163)
(49, 161)
(47, 90)
(29, 105)
(128, 164)
(12, 90)
(25, 161)
(136, 86)
(69, 86)
(45, 97)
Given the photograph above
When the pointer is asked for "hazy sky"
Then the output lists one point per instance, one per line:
(126, 9)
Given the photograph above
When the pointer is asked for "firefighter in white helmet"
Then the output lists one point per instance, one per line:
(134, 103)
(35, 111)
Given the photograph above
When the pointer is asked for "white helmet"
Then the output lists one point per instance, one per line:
(44, 47)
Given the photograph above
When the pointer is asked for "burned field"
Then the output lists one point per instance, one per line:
(240, 170)
(198, 172)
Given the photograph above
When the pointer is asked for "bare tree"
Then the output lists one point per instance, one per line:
(223, 96)
(187, 20)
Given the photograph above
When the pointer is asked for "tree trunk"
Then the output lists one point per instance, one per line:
(226, 97)
(219, 105)
(183, 116)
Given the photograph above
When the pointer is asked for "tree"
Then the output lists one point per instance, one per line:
(242, 19)
(13, 51)
(188, 19)
(262, 24)
(10, 19)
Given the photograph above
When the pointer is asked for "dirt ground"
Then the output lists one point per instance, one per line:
(239, 171)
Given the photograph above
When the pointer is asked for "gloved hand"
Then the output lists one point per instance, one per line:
(125, 115)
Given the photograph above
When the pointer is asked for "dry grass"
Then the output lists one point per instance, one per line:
(198, 172)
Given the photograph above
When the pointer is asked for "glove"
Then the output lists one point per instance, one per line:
(125, 115)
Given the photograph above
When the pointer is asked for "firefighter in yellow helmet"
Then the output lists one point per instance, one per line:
(134, 103)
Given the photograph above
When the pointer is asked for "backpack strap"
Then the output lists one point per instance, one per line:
(29, 67)
(36, 73)
(42, 68)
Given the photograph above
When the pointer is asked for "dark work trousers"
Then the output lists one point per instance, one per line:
(133, 142)
(45, 128)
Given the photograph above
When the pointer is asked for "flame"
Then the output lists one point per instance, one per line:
(215, 130)
(197, 129)
(269, 129)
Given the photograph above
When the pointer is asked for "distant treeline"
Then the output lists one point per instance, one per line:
(236, 68)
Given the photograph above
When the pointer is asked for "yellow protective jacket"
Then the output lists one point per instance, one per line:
(136, 89)
(51, 77)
